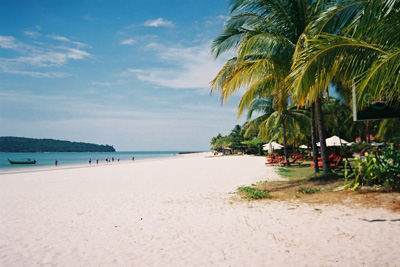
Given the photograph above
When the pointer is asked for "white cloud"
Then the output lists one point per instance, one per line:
(59, 38)
(128, 42)
(107, 84)
(51, 58)
(38, 74)
(160, 22)
(65, 39)
(192, 67)
(40, 55)
(9, 42)
(32, 34)
(76, 53)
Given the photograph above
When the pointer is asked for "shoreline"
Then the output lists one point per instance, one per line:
(36, 168)
(173, 212)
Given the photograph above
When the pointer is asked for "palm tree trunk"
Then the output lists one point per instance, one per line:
(326, 167)
(314, 139)
(284, 143)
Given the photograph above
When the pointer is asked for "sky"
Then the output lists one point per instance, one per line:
(134, 74)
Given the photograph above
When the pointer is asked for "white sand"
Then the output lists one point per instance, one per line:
(178, 212)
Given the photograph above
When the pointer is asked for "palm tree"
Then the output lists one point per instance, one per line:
(289, 126)
(314, 138)
(264, 33)
(363, 53)
(355, 43)
(286, 126)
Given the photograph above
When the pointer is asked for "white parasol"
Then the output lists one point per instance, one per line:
(334, 141)
(271, 146)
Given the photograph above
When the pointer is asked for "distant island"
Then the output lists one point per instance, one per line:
(22, 144)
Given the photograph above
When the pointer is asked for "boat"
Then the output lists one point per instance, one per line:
(27, 161)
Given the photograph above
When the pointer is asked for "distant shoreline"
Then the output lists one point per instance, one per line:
(93, 165)
(11, 144)
(64, 159)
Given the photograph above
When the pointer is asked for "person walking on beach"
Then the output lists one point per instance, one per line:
(133, 158)
(97, 161)
(55, 163)
(90, 161)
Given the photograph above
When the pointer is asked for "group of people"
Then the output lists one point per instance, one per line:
(97, 161)
(107, 160)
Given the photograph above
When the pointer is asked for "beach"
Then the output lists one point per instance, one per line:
(181, 211)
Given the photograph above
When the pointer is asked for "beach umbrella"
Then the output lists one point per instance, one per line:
(268, 147)
(334, 141)
(271, 146)
(303, 146)
(377, 144)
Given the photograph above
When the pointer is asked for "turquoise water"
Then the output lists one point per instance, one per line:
(76, 158)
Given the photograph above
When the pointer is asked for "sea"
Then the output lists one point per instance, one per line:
(76, 158)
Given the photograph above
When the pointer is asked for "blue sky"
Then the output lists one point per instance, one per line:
(130, 73)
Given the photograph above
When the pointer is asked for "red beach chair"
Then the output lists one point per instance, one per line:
(271, 160)
(283, 163)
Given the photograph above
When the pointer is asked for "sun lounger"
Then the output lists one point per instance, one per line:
(273, 160)
(283, 163)
(336, 162)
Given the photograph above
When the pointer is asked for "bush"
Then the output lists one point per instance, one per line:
(381, 168)
(253, 193)
(308, 190)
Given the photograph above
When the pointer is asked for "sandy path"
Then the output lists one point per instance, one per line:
(178, 212)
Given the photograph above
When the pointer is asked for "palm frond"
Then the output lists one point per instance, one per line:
(268, 45)
(335, 17)
(235, 31)
(329, 56)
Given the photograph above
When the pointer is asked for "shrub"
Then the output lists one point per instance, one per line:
(382, 168)
(253, 193)
(307, 190)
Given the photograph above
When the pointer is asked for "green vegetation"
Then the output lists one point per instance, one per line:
(305, 173)
(21, 144)
(232, 141)
(308, 190)
(381, 168)
(253, 193)
(286, 172)
(303, 185)
(289, 56)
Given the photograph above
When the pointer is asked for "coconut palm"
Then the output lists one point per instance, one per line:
(286, 126)
(364, 53)
(264, 34)
(314, 138)
(355, 43)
